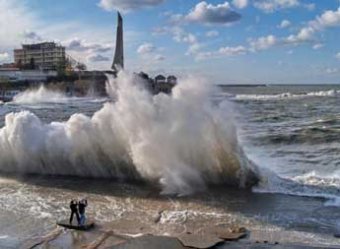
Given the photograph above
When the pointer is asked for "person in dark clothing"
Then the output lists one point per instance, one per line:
(82, 205)
(74, 210)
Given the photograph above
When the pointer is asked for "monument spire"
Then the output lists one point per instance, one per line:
(118, 61)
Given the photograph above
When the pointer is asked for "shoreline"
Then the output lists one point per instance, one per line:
(100, 239)
(128, 208)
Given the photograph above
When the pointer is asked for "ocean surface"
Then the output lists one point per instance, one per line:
(288, 135)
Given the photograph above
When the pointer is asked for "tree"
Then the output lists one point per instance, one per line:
(81, 66)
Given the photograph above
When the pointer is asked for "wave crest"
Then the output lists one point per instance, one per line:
(287, 95)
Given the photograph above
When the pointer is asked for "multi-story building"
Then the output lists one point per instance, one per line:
(42, 56)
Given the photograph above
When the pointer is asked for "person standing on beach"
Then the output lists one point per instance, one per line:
(74, 210)
(82, 205)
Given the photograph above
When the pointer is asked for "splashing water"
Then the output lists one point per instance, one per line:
(183, 141)
(40, 95)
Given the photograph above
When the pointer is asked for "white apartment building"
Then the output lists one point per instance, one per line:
(42, 56)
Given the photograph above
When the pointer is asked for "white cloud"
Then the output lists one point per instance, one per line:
(205, 13)
(32, 36)
(337, 56)
(240, 4)
(194, 49)
(149, 52)
(127, 5)
(305, 35)
(229, 51)
(97, 58)
(4, 56)
(284, 24)
(328, 19)
(318, 46)
(332, 70)
(146, 48)
(79, 45)
(310, 6)
(15, 19)
(263, 43)
(180, 35)
(221, 52)
(274, 5)
(212, 33)
(159, 57)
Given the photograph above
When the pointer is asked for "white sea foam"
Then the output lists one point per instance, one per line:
(307, 185)
(181, 140)
(40, 95)
(287, 95)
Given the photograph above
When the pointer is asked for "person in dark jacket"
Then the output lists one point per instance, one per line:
(74, 210)
(82, 205)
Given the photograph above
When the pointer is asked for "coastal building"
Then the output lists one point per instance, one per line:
(164, 84)
(159, 79)
(172, 80)
(42, 56)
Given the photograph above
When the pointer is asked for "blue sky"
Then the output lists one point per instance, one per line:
(235, 41)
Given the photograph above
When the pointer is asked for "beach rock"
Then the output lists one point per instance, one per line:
(151, 242)
(231, 236)
(199, 241)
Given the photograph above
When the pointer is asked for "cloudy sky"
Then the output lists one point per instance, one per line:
(234, 41)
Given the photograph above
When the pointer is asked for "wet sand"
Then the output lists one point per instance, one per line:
(31, 206)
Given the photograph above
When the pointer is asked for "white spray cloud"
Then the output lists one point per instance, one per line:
(39, 95)
(182, 141)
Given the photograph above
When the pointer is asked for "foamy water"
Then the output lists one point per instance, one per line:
(40, 95)
(287, 95)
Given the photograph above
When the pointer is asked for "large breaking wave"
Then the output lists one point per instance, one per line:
(183, 140)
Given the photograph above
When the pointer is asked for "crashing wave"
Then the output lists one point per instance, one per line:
(287, 95)
(40, 95)
(182, 140)
(307, 185)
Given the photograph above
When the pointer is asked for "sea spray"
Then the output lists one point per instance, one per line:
(40, 95)
(182, 140)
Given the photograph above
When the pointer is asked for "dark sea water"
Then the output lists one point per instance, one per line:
(292, 134)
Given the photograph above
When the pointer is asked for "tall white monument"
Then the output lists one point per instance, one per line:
(118, 61)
